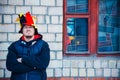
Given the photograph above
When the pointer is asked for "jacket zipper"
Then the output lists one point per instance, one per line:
(26, 76)
(28, 53)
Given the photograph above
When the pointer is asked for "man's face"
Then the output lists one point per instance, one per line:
(28, 31)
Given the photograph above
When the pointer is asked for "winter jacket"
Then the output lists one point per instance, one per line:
(35, 59)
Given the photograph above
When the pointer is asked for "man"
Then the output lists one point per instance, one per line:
(28, 57)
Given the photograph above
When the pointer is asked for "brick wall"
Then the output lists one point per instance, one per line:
(50, 24)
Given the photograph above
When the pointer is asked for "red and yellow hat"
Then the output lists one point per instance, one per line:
(26, 19)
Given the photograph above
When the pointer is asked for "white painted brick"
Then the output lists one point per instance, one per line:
(89, 64)
(55, 64)
(115, 73)
(118, 64)
(40, 19)
(58, 72)
(7, 19)
(74, 63)
(97, 64)
(7, 28)
(81, 64)
(3, 36)
(112, 64)
(3, 55)
(7, 9)
(47, 19)
(42, 28)
(59, 55)
(55, 11)
(54, 19)
(99, 72)
(22, 9)
(59, 2)
(90, 73)
(32, 2)
(1, 73)
(66, 63)
(59, 37)
(74, 72)
(0, 18)
(7, 73)
(61, 20)
(48, 2)
(14, 37)
(52, 55)
(2, 64)
(55, 28)
(66, 72)
(4, 46)
(82, 72)
(104, 64)
(49, 37)
(50, 72)
(39, 10)
(55, 46)
(107, 72)
(18, 2)
(3, 1)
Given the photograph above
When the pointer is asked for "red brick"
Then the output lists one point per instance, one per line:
(82, 78)
(52, 78)
(66, 78)
(113, 78)
(98, 78)
(74, 78)
(4, 79)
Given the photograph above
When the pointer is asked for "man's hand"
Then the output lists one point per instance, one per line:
(19, 60)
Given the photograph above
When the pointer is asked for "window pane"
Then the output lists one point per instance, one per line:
(109, 26)
(77, 33)
(77, 6)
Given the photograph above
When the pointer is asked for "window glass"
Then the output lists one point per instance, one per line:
(77, 6)
(109, 26)
(77, 35)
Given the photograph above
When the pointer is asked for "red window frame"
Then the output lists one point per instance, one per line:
(92, 15)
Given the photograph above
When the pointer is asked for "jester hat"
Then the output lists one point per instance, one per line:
(28, 20)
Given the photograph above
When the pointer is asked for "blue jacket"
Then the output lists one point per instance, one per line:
(35, 59)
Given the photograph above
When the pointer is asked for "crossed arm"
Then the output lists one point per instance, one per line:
(26, 64)
(13, 65)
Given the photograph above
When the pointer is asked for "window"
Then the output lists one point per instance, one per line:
(91, 27)
(109, 26)
(75, 30)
